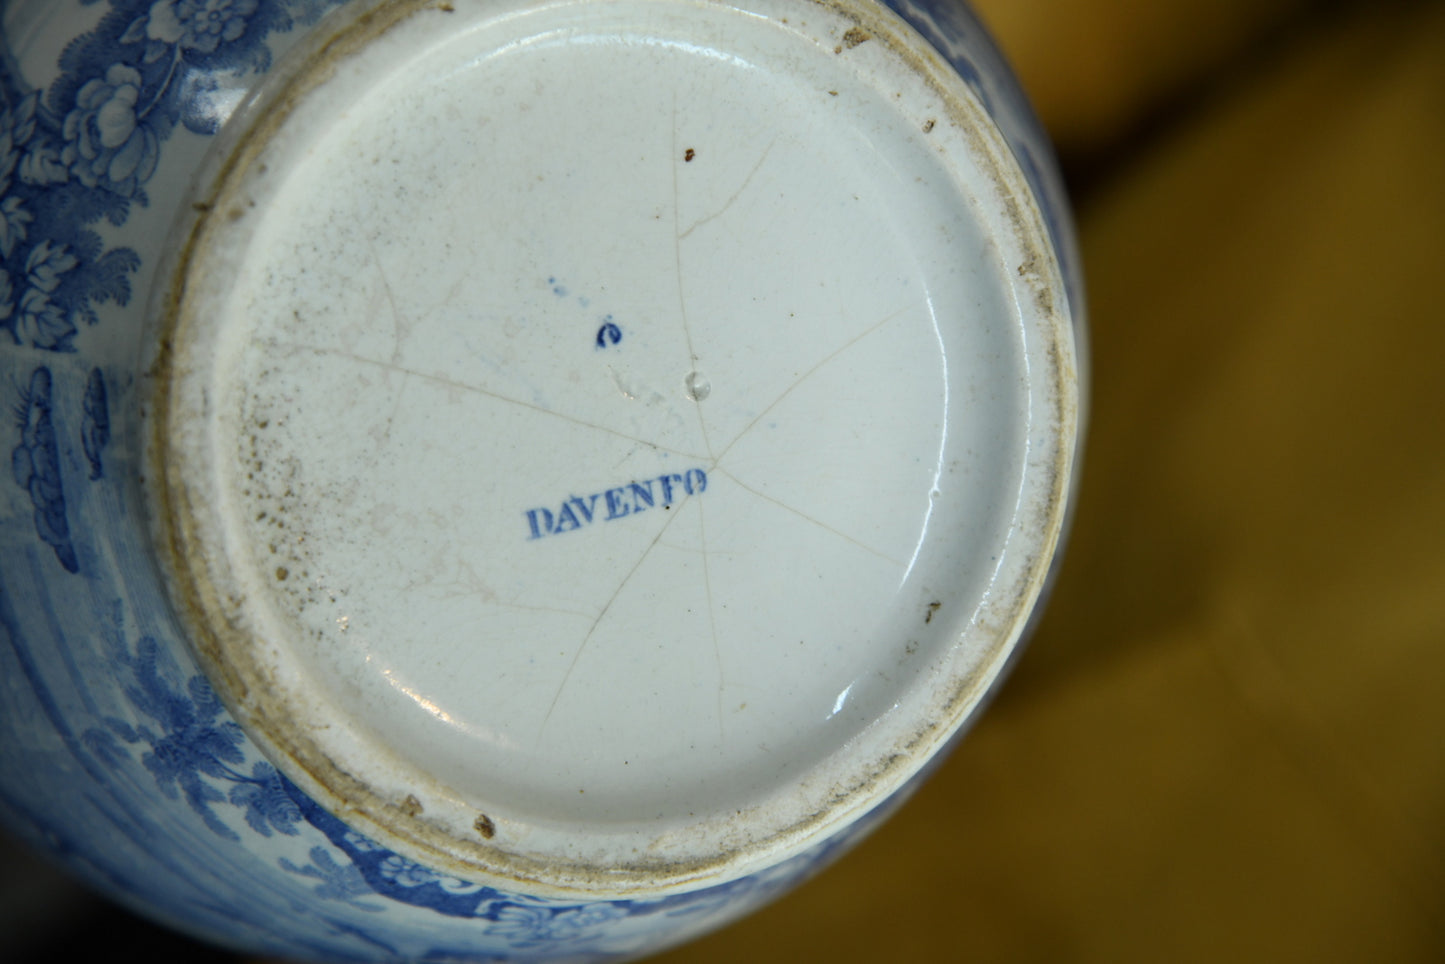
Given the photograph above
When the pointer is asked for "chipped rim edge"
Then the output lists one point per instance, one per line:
(171, 504)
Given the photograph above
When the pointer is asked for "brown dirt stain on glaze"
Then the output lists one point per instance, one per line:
(200, 601)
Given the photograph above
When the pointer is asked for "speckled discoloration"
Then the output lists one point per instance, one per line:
(216, 616)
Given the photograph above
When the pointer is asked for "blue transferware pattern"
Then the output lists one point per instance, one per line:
(118, 758)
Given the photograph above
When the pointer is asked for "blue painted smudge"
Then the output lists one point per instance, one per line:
(609, 333)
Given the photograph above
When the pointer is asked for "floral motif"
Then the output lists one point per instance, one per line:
(341, 882)
(49, 282)
(41, 322)
(528, 926)
(408, 873)
(267, 803)
(357, 842)
(42, 165)
(81, 152)
(13, 219)
(194, 742)
(198, 24)
(107, 141)
(405, 873)
(46, 264)
(84, 149)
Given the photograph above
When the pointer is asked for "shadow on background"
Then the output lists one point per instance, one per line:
(1227, 740)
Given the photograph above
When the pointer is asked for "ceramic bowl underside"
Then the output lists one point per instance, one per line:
(608, 448)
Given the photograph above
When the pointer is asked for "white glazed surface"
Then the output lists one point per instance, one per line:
(116, 753)
(652, 473)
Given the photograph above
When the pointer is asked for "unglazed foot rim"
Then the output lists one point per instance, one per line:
(606, 449)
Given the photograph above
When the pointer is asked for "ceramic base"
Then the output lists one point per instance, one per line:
(609, 448)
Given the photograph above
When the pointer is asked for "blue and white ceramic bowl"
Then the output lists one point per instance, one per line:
(510, 479)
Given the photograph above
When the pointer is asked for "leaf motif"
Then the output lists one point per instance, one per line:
(42, 323)
(136, 31)
(268, 807)
(342, 882)
(13, 221)
(37, 470)
(165, 779)
(42, 166)
(122, 729)
(103, 744)
(95, 425)
(22, 466)
(46, 264)
(200, 795)
(25, 118)
(204, 697)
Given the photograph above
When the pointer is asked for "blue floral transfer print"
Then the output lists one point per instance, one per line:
(83, 151)
(35, 464)
(53, 268)
(95, 426)
(337, 881)
(108, 143)
(77, 160)
(192, 24)
(80, 154)
(192, 750)
(191, 745)
(524, 926)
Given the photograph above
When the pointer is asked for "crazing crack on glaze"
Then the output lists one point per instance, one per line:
(715, 466)
(329, 781)
(742, 189)
(478, 390)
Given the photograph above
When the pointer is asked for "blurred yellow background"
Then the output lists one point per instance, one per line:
(1227, 739)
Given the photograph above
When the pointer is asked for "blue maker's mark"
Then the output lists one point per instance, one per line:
(576, 512)
(609, 333)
